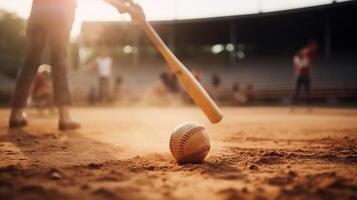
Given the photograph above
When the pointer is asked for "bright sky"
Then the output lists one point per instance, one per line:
(96, 10)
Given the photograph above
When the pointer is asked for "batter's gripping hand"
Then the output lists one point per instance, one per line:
(128, 6)
(136, 12)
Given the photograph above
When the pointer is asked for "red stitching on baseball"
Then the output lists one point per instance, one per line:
(186, 137)
(197, 155)
(171, 145)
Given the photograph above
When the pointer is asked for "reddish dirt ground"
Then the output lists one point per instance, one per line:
(122, 153)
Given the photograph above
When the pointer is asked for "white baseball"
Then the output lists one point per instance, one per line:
(189, 143)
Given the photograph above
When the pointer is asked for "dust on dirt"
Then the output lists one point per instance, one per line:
(122, 153)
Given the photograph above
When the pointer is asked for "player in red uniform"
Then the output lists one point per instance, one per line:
(302, 63)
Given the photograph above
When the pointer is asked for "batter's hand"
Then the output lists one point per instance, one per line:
(128, 6)
(136, 13)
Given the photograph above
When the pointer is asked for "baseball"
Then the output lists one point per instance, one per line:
(189, 143)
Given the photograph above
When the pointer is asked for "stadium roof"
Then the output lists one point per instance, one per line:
(158, 10)
(176, 9)
(282, 31)
(188, 9)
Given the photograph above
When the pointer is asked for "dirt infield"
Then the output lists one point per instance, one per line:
(122, 153)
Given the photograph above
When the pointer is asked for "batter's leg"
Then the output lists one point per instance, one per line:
(59, 40)
(36, 40)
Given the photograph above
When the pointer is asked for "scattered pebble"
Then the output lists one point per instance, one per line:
(253, 167)
(85, 187)
(94, 166)
(55, 176)
(292, 173)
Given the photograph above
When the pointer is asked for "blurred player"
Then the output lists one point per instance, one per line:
(42, 94)
(302, 63)
(104, 68)
(102, 65)
(51, 21)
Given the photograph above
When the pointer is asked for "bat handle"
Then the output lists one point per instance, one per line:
(154, 37)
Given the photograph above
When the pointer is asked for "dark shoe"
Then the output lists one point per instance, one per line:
(70, 125)
(18, 123)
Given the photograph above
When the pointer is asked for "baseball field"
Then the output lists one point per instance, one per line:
(123, 153)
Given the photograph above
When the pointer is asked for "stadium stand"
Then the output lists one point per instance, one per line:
(268, 41)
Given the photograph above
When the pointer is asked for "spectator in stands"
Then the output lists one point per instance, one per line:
(250, 93)
(216, 80)
(197, 74)
(52, 21)
(164, 91)
(117, 90)
(169, 80)
(238, 96)
(92, 97)
(216, 91)
(302, 64)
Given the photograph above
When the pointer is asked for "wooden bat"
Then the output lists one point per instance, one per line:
(187, 80)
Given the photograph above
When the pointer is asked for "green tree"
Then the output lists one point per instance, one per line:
(12, 42)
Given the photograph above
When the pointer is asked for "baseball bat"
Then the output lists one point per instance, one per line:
(187, 80)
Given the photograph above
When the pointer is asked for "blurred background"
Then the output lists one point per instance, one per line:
(240, 50)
